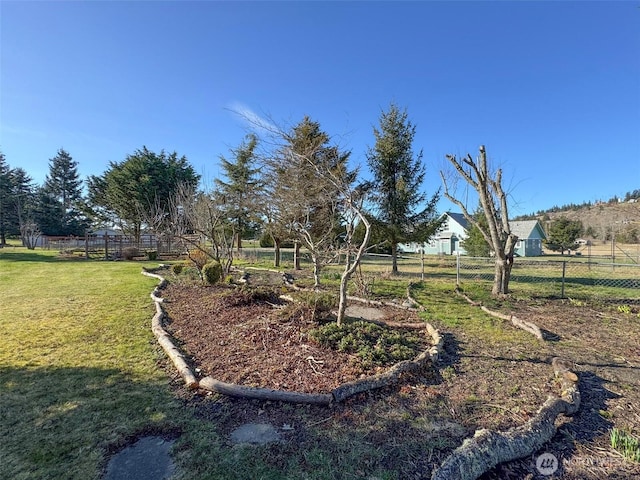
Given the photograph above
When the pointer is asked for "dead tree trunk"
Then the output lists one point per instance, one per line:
(487, 448)
(493, 200)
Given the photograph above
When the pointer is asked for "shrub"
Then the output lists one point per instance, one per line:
(266, 241)
(374, 344)
(176, 268)
(129, 253)
(320, 302)
(212, 272)
(152, 255)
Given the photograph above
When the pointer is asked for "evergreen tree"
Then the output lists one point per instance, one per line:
(301, 198)
(562, 234)
(61, 195)
(5, 200)
(476, 244)
(241, 190)
(63, 181)
(24, 205)
(134, 190)
(398, 176)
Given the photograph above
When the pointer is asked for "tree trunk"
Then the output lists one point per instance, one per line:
(316, 270)
(394, 258)
(276, 252)
(296, 256)
(502, 276)
(239, 241)
(342, 292)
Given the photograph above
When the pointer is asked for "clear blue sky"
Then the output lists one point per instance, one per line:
(551, 88)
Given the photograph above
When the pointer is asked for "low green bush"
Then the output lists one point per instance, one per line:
(374, 344)
(177, 268)
(212, 272)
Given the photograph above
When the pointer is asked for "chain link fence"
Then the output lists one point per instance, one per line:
(563, 278)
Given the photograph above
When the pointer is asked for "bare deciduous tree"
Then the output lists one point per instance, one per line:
(493, 200)
(198, 221)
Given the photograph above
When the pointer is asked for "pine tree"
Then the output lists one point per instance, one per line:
(562, 234)
(476, 244)
(302, 200)
(61, 195)
(5, 199)
(241, 190)
(398, 176)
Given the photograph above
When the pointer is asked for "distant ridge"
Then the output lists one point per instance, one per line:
(601, 220)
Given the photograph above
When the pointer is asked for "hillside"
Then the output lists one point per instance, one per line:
(599, 220)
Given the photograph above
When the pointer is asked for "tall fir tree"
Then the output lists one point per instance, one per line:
(63, 181)
(60, 212)
(398, 174)
(241, 189)
(304, 203)
(5, 200)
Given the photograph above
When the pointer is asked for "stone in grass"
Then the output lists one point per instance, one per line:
(147, 459)
(255, 433)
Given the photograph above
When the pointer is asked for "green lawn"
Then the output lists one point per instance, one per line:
(78, 373)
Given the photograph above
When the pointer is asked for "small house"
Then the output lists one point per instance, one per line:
(449, 238)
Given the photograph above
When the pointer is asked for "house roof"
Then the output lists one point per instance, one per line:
(524, 228)
(459, 218)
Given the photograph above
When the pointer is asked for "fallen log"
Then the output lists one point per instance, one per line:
(381, 380)
(487, 448)
(522, 324)
(164, 339)
(233, 390)
(176, 356)
(517, 322)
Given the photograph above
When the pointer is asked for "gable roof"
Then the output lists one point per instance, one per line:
(459, 219)
(524, 228)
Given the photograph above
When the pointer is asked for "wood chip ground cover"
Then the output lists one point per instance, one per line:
(409, 429)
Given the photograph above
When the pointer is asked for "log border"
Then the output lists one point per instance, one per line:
(338, 394)
(487, 448)
(525, 325)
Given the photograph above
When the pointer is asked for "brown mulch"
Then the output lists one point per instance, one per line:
(263, 342)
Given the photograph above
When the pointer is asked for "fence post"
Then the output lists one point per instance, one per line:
(564, 270)
(458, 270)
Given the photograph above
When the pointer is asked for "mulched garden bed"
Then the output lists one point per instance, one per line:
(261, 340)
